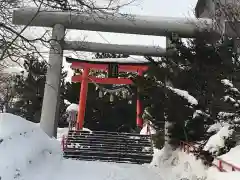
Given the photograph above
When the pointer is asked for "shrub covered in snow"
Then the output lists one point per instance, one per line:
(221, 142)
(179, 165)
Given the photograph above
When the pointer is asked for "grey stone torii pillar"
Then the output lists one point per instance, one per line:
(133, 24)
(50, 106)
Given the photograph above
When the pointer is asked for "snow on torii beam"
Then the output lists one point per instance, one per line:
(115, 48)
(132, 24)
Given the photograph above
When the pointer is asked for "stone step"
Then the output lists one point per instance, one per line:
(108, 133)
(107, 141)
(106, 147)
(106, 136)
(107, 154)
(121, 151)
(108, 159)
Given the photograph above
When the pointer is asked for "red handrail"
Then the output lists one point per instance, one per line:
(221, 162)
(185, 146)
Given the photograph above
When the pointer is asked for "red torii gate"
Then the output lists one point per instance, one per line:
(101, 64)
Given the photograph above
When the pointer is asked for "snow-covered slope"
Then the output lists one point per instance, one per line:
(214, 174)
(178, 165)
(27, 153)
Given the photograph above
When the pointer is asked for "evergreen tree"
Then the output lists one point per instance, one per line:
(30, 89)
(198, 68)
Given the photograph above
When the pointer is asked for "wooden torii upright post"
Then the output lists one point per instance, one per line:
(95, 64)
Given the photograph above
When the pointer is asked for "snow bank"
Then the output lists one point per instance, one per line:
(23, 146)
(217, 141)
(27, 153)
(72, 107)
(178, 165)
(214, 174)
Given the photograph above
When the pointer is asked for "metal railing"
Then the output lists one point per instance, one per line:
(191, 147)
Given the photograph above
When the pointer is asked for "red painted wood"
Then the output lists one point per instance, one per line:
(79, 78)
(104, 67)
(82, 99)
(220, 163)
(139, 119)
(85, 79)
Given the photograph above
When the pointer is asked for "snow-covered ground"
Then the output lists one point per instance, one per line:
(178, 165)
(27, 153)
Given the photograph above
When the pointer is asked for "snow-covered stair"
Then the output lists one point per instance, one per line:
(108, 146)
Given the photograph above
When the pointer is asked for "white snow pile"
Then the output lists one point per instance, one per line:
(217, 127)
(27, 153)
(24, 146)
(192, 100)
(178, 165)
(214, 174)
(147, 130)
(72, 107)
(64, 132)
(217, 141)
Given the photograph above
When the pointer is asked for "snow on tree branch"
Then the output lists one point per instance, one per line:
(185, 95)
